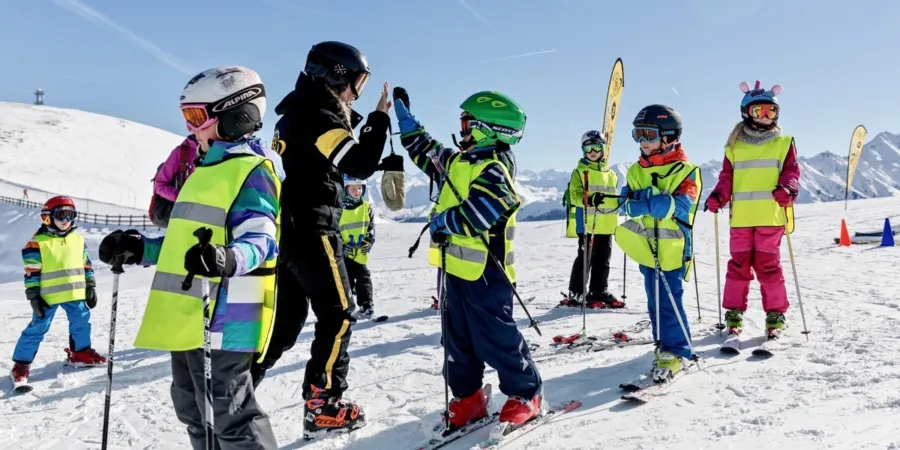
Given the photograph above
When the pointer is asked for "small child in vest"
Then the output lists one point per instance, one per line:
(590, 181)
(358, 234)
(661, 194)
(58, 274)
(761, 178)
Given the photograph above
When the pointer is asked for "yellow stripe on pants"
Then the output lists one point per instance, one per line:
(336, 348)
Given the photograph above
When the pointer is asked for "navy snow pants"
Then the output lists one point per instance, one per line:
(670, 333)
(481, 329)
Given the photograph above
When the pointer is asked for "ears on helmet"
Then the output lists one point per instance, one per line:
(745, 88)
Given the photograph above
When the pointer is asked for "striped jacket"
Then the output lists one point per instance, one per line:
(251, 222)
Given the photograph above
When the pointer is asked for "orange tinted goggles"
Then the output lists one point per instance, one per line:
(360, 84)
(763, 111)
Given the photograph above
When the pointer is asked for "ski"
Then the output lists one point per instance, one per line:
(766, 349)
(22, 387)
(502, 432)
(732, 345)
(644, 389)
(443, 438)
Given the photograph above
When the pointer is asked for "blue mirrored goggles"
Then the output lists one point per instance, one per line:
(645, 134)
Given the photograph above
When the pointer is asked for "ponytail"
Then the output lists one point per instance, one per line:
(732, 138)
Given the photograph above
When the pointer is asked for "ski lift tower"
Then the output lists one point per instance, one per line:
(39, 97)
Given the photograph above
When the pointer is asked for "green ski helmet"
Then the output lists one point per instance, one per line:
(490, 116)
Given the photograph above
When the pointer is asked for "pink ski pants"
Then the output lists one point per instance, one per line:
(757, 250)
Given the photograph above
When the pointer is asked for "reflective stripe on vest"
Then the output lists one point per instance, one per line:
(645, 239)
(756, 172)
(62, 268)
(602, 219)
(467, 256)
(354, 225)
(173, 318)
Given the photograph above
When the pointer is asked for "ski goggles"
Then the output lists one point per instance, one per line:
(64, 215)
(645, 134)
(466, 122)
(589, 147)
(763, 111)
(196, 116)
(360, 84)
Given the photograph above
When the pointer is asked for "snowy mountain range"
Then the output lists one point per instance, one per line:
(822, 180)
(111, 160)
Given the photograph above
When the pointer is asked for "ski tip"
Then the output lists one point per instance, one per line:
(381, 319)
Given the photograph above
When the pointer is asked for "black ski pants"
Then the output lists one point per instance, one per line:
(601, 252)
(360, 282)
(313, 274)
(239, 422)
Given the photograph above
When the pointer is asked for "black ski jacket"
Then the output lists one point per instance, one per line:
(317, 147)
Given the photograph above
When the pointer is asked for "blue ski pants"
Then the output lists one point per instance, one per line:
(481, 329)
(673, 339)
(79, 316)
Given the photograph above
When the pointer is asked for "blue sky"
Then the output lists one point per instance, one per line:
(838, 64)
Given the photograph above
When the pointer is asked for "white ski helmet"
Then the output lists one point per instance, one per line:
(234, 95)
(593, 136)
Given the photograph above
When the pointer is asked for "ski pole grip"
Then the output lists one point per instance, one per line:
(117, 265)
(204, 235)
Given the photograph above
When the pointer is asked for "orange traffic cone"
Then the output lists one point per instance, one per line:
(845, 235)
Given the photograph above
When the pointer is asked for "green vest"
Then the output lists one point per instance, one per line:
(466, 255)
(62, 268)
(603, 219)
(756, 171)
(354, 225)
(636, 236)
(173, 319)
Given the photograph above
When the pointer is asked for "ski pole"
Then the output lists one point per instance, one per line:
(662, 277)
(204, 235)
(585, 251)
(720, 326)
(116, 270)
(624, 275)
(794, 269)
(697, 290)
(443, 307)
(487, 247)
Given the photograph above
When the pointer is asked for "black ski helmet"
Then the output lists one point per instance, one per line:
(660, 116)
(338, 65)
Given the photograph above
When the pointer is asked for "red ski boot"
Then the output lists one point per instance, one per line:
(19, 375)
(517, 410)
(465, 410)
(85, 358)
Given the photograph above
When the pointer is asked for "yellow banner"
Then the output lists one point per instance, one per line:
(856, 147)
(613, 97)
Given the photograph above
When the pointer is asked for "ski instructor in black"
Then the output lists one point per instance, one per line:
(316, 141)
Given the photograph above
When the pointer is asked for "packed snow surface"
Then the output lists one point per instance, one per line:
(840, 390)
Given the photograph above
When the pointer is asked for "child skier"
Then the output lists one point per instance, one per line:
(661, 194)
(761, 178)
(58, 273)
(234, 192)
(358, 235)
(477, 199)
(170, 177)
(590, 179)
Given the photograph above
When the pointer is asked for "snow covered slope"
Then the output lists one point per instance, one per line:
(822, 180)
(840, 390)
(81, 154)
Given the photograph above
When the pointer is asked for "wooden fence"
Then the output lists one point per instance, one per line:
(119, 220)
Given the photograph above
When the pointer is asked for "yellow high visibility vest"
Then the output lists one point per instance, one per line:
(639, 236)
(603, 219)
(354, 224)
(756, 172)
(62, 268)
(466, 255)
(173, 319)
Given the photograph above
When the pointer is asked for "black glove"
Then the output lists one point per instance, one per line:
(596, 199)
(39, 306)
(90, 297)
(440, 239)
(402, 95)
(129, 244)
(392, 162)
(210, 260)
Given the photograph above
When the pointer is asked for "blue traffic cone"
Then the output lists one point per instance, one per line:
(887, 236)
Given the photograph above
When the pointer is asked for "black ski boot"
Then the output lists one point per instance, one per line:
(324, 414)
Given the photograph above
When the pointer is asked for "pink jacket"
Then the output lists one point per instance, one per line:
(789, 178)
(178, 166)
